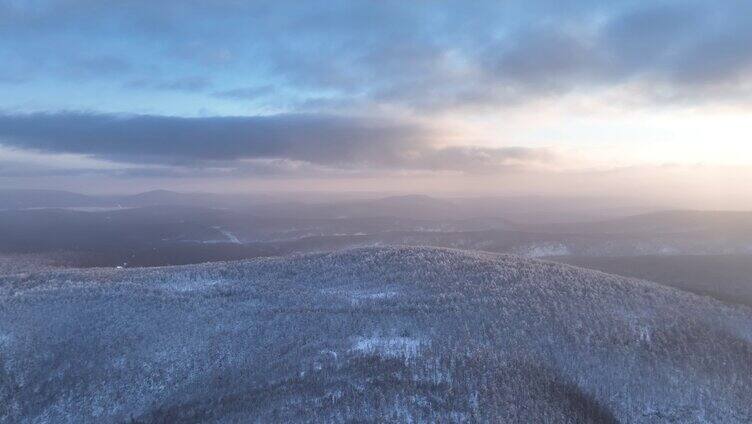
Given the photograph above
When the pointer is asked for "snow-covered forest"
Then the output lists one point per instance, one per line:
(400, 334)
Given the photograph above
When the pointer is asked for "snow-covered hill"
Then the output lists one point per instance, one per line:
(373, 335)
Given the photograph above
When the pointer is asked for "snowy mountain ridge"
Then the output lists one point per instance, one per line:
(398, 334)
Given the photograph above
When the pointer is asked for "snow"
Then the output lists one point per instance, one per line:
(188, 286)
(438, 335)
(388, 347)
(358, 296)
(230, 236)
(668, 250)
(5, 339)
(545, 249)
(377, 295)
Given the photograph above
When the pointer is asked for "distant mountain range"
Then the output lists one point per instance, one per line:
(395, 220)
(26, 199)
(20, 199)
(704, 252)
(672, 221)
(533, 210)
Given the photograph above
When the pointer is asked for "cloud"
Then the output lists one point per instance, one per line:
(671, 50)
(321, 139)
(184, 84)
(246, 93)
(473, 159)
(682, 50)
(332, 76)
(100, 65)
(418, 55)
(323, 142)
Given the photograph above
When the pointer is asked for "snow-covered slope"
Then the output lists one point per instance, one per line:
(374, 335)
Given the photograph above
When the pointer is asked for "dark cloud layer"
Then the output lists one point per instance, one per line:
(322, 139)
(335, 142)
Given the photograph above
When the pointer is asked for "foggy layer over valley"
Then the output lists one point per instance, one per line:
(40, 229)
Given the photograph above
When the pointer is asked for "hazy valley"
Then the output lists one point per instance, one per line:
(704, 252)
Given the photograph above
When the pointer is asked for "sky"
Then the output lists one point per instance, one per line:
(639, 98)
